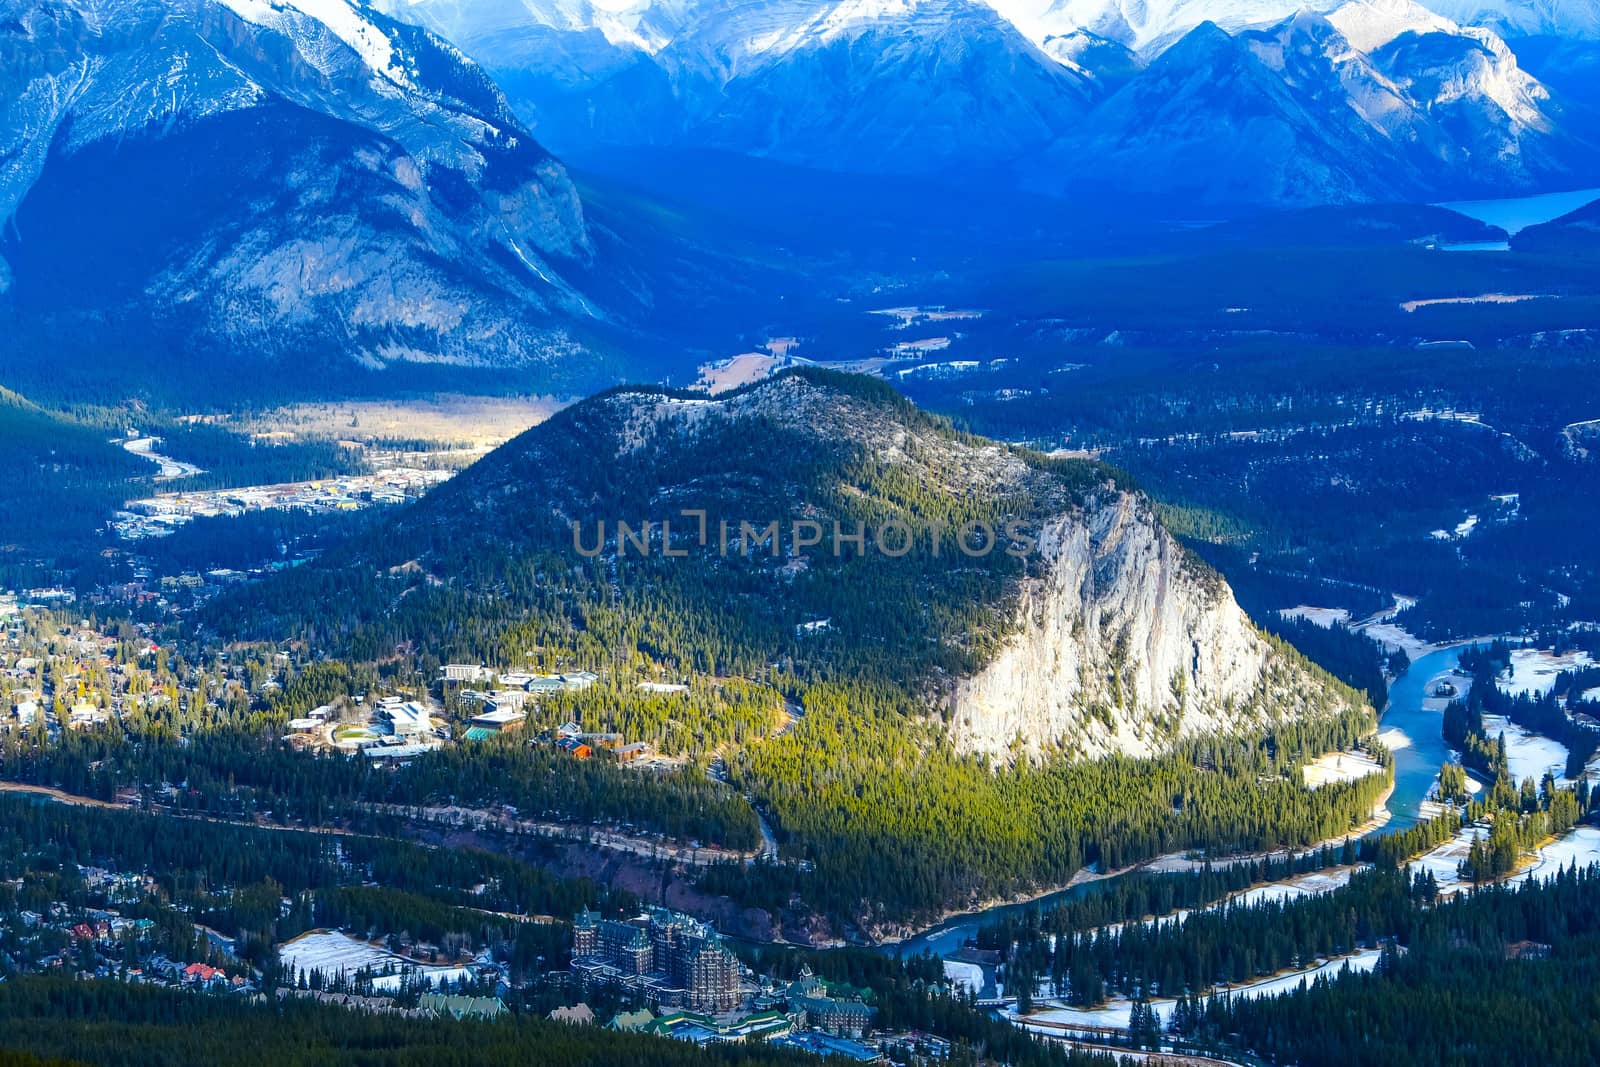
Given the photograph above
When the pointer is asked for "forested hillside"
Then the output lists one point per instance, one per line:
(581, 544)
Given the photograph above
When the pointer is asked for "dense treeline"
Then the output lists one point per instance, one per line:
(1090, 948)
(1355, 659)
(1397, 846)
(197, 857)
(1453, 997)
(241, 772)
(60, 477)
(1332, 462)
(228, 458)
(838, 784)
(1141, 895)
(544, 783)
(712, 715)
(1229, 944)
(241, 542)
(119, 1025)
(525, 947)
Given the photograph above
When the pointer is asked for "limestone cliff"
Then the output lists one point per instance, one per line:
(1124, 644)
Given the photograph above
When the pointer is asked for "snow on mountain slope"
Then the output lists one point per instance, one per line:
(1150, 26)
(1218, 120)
(1370, 98)
(1526, 18)
(1370, 24)
(374, 186)
(1145, 26)
(345, 21)
(876, 85)
(641, 25)
(1440, 63)
(1107, 63)
(1380, 100)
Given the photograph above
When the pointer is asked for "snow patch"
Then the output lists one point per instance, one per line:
(1340, 767)
(1528, 755)
(341, 17)
(1534, 671)
(1116, 1013)
(1323, 617)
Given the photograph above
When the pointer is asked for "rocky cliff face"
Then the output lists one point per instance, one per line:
(289, 178)
(1124, 645)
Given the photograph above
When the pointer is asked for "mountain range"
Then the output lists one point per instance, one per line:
(1181, 103)
(208, 189)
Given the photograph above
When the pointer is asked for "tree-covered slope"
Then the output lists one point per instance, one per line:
(980, 721)
(821, 525)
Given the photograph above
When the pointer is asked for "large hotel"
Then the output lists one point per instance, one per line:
(668, 959)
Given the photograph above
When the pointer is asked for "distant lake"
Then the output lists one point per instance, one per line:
(1478, 246)
(1518, 213)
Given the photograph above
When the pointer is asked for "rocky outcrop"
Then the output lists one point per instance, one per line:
(1124, 645)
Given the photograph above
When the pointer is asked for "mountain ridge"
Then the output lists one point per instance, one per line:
(1361, 100)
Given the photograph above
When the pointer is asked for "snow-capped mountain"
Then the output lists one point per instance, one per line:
(1145, 26)
(1150, 26)
(1235, 101)
(1375, 101)
(878, 85)
(242, 176)
(1570, 19)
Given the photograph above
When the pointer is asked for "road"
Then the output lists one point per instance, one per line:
(170, 468)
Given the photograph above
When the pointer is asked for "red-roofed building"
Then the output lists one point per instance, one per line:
(202, 974)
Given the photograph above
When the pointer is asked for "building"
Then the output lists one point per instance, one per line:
(500, 720)
(556, 683)
(574, 748)
(816, 1006)
(632, 1021)
(465, 672)
(87, 716)
(665, 958)
(407, 718)
(713, 979)
(507, 699)
(462, 1007)
(702, 1029)
(1528, 950)
(629, 753)
(577, 1015)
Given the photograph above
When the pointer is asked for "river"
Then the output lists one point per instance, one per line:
(1413, 733)
(169, 468)
(1411, 730)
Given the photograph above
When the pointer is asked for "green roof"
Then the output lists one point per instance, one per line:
(633, 1020)
(462, 1007)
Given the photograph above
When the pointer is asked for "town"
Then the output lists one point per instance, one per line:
(160, 515)
(660, 973)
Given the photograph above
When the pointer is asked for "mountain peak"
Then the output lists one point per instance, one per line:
(1370, 24)
(287, 169)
